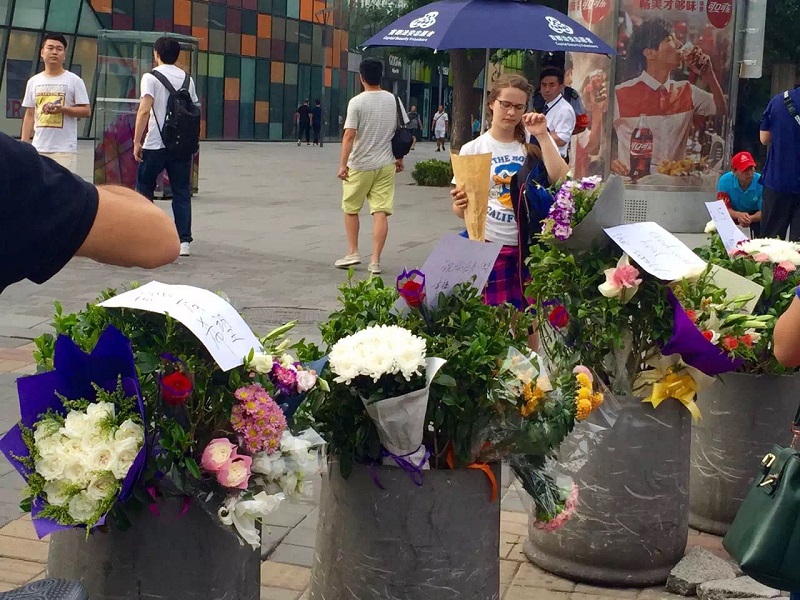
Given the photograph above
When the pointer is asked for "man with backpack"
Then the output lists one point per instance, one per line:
(168, 111)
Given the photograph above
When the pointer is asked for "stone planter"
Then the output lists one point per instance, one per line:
(186, 557)
(743, 417)
(440, 540)
(632, 521)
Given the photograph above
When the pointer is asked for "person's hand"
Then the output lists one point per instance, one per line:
(399, 165)
(344, 173)
(138, 152)
(745, 219)
(460, 199)
(55, 109)
(536, 124)
(620, 168)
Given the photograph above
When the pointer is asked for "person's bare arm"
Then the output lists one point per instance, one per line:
(557, 168)
(27, 124)
(786, 339)
(79, 111)
(348, 139)
(766, 137)
(130, 231)
(559, 142)
(142, 119)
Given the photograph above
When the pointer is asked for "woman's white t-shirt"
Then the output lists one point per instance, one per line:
(507, 160)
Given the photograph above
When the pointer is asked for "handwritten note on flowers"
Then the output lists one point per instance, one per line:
(657, 251)
(457, 260)
(728, 230)
(215, 322)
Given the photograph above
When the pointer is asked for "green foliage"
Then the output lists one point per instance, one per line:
(614, 339)
(435, 173)
(775, 300)
(472, 337)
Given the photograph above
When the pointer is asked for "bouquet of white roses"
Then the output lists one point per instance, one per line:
(81, 460)
(388, 368)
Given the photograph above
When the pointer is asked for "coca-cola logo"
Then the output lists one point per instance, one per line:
(642, 147)
(720, 13)
(594, 11)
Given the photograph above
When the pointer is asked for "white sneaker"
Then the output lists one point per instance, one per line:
(185, 249)
(348, 261)
(374, 268)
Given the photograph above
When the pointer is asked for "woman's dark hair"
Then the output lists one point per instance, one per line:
(56, 37)
(168, 50)
(648, 36)
(371, 70)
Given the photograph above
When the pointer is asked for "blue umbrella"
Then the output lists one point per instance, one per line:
(487, 24)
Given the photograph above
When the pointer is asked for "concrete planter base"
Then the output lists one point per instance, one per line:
(743, 417)
(440, 540)
(632, 521)
(187, 557)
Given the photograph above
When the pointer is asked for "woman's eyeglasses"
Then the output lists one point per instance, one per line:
(509, 105)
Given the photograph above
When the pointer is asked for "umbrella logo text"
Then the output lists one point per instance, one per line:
(558, 26)
(425, 22)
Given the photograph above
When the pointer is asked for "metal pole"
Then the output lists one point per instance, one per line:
(408, 84)
(440, 86)
(486, 82)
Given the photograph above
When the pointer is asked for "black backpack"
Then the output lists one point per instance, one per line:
(403, 138)
(181, 130)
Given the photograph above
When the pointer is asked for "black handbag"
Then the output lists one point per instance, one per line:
(765, 535)
(403, 137)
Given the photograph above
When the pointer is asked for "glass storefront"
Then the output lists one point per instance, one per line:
(258, 59)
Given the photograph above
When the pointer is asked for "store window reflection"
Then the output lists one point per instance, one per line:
(84, 64)
(21, 63)
(29, 14)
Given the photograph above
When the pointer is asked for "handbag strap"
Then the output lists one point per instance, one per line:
(787, 100)
(400, 120)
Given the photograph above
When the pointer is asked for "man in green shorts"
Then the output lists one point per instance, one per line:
(368, 166)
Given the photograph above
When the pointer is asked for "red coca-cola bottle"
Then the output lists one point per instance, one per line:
(641, 151)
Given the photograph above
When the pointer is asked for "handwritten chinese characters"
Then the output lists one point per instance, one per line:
(458, 260)
(215, 322)
(657, 251)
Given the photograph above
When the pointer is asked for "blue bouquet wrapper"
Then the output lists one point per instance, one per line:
(73, 376)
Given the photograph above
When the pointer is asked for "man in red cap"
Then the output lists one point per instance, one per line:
(741, 190)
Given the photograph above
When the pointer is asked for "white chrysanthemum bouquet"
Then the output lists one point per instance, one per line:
(387, 366)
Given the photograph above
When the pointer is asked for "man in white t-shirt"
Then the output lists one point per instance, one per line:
(54, 100)
(151, 154)
(368, 165)
(557, 109)
(439, 126)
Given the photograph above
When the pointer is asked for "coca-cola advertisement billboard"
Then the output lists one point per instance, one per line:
(669, 101)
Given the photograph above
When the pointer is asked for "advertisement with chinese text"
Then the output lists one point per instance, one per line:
(669, 98)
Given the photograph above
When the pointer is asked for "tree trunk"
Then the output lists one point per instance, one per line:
(466, 66)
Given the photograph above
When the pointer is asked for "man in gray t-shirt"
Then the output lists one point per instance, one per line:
(368, 166)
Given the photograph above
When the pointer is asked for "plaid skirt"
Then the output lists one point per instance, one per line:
(505, 285)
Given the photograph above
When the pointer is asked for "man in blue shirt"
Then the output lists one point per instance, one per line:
(780, 130)
(742, 191)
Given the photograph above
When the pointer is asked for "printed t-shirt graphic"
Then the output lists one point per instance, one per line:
(48, 96)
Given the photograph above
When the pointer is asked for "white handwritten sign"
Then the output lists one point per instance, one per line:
(215, 322)
(457, 260)
(657, 251)
(728, 230)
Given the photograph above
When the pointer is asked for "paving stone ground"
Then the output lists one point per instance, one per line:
(267, 227)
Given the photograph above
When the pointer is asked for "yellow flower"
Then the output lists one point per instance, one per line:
(583, 380)
(584, 409)
(585, 393)
(597, 400)
(531, 395)
(527, 409)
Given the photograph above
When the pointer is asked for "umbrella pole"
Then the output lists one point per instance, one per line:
(486, 81)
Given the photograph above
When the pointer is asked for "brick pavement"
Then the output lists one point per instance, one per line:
(268, 226)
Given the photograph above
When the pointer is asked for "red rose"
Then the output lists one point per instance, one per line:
(780, 273)
(692, 316)
(558, 317)
(747, 340)
(709, 335)
(413, 293)
(730, 343)
(176, 388)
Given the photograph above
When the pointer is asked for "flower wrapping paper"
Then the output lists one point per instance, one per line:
(73, 376)
(401, 420)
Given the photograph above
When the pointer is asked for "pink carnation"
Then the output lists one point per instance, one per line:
(570, 506)
(761, 257)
